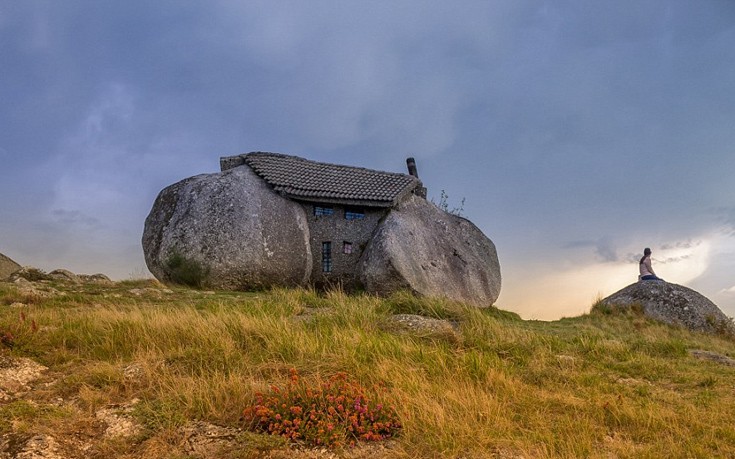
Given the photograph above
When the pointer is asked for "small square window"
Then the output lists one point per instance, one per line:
(347, 247)
(323, 210)
(353, 213)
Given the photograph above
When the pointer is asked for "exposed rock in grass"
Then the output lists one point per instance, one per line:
(17, 373)
(28, 288)
(118, 420)
(133, 373)
(421, 326)
(65, 275)
(713, 357)
(7, 267)
(150, 291)
(98, 278)
(672, 304)
(35, 447)
(29, 273)
(204, 440)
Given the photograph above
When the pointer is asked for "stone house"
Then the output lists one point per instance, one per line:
(343, 205)
(274, 220)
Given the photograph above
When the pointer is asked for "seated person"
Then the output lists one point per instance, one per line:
(645, 268)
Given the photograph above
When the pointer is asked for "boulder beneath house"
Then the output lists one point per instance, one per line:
(7, 267)
(430, 252)
(227, 230)
(673, 304)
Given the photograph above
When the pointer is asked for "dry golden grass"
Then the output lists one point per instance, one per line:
(601, 385)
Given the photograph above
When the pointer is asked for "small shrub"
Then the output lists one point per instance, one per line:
(443, 204)
(185, 271)
(335, 413)
(617, 309)
(723, 327)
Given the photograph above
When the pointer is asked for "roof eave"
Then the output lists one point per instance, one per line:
(344, 202)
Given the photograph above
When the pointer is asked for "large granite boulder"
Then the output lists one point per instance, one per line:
(227, 230)
(421, 248)
(7, 267)
(672, 304)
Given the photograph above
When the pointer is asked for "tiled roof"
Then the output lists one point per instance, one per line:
(299, 178)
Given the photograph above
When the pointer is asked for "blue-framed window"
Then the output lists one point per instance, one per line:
(346, 247)
(354, 213)
(327, 257)
(323, 210)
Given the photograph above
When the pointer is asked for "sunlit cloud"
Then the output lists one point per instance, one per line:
(683, 262)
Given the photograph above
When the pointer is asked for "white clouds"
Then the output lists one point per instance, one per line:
(683, 262)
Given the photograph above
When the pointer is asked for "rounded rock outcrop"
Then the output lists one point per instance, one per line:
(673, 304)
(7, 267)
(227, 230)
(421, 248)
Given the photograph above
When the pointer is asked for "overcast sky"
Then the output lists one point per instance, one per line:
(577, 132)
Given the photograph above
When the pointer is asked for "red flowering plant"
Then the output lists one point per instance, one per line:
(335, 413)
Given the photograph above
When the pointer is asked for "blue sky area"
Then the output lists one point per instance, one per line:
(577, 132)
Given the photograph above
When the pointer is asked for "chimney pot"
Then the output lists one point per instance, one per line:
(411, 163)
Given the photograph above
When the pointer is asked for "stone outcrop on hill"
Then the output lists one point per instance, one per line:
(421, 248)
(7, 267)
(229, 231)
(275, 220)
(29, 273)
(673, 304)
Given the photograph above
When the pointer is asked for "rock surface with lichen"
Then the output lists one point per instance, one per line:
(673, 304)
(232, 229)
(421, 248)
(7, 267)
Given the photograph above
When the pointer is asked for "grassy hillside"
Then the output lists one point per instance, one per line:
(601, 385)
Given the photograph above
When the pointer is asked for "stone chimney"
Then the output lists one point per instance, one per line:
(420, 190)
(411, 163)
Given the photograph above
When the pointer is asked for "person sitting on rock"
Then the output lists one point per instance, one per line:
(645, 268)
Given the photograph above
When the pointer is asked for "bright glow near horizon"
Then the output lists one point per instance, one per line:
(573, 290)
